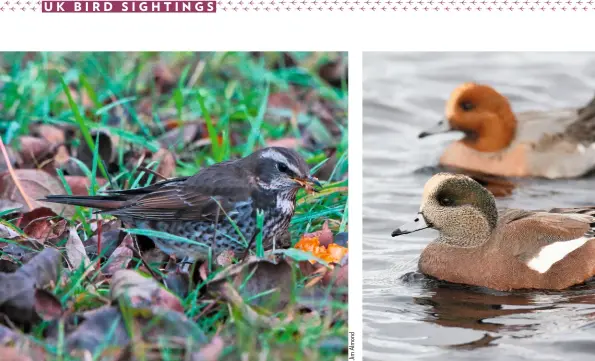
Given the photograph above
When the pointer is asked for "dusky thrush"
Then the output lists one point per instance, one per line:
(216, 207)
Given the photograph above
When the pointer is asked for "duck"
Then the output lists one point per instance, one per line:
(548, 144)
(502, 249)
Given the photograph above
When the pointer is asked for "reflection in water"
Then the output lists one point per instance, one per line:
(485, 341)
(498, 186)
(476, 308)
(483, 309)
(411, 315)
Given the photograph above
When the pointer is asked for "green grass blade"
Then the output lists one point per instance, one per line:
(81, 122)
(260, 227)
(87, 86)
(164, 235)
(257, 124)
(210, 128)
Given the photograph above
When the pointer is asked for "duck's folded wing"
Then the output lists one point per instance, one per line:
(583, 129)
(583, 210)
(540, 239)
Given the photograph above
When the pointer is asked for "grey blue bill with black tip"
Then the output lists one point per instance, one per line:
(442, 127)
(416, 225)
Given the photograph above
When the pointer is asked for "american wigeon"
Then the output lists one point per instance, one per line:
(551, 144)
(504, 250)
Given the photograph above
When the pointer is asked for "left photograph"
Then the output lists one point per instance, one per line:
(174, 206)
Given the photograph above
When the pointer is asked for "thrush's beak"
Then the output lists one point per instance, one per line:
(308, 182)
(442, 127)
(417, 225)
(314, 180)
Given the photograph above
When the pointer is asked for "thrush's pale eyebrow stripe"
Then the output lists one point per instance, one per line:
(278, 157)
(554, 252)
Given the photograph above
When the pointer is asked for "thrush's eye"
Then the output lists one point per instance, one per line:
(282, 167)
(467, 106)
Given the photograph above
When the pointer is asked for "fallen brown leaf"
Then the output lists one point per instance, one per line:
(334, 72)
(327, 169)
(37, 213)
(7, 232)
(232, 296)
(157, 325)
(13, 156)
(165, 79)
(111, 236)
(257, 277)
(12, 354)
(178, 283)
(283, 60)
(8, 335)
(121, 256)
(225, 258)
(6, 204)
(325, 235)
(94, 327)
(167, 162)
(35, 150)
(105, 151)
(289, 142)
(185, 133)
(142, 291)
(51, 133)
(338, 276)
(62, 156)
(285, 100)
(75, 250)
(15, 344)
(48, 229)
(47, 306)
(210, 352)
(36, 184)
(79, 185)
(17, 299)
(79, 95)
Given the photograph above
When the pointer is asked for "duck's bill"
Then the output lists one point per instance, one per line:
(442, 127)
(309, 183)
(417, 225)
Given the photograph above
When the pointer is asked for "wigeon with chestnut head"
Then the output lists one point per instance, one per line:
(551, 144)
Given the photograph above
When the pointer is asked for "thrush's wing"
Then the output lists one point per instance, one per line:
(208, 195)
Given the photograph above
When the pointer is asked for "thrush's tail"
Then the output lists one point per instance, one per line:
(103, 203)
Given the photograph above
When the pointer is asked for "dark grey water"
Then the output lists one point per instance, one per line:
(419, 319)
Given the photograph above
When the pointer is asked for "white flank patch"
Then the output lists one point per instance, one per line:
(554, 252)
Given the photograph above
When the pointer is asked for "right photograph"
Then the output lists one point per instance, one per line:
(479, 205)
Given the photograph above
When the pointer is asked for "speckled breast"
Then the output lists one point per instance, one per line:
(233, 231)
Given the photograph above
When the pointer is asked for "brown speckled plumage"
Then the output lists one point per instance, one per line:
(216, 207)
(480, 246)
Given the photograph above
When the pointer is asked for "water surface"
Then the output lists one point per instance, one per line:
(407, 316)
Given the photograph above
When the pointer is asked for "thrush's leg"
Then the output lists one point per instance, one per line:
(186, 263)
(247, 252)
